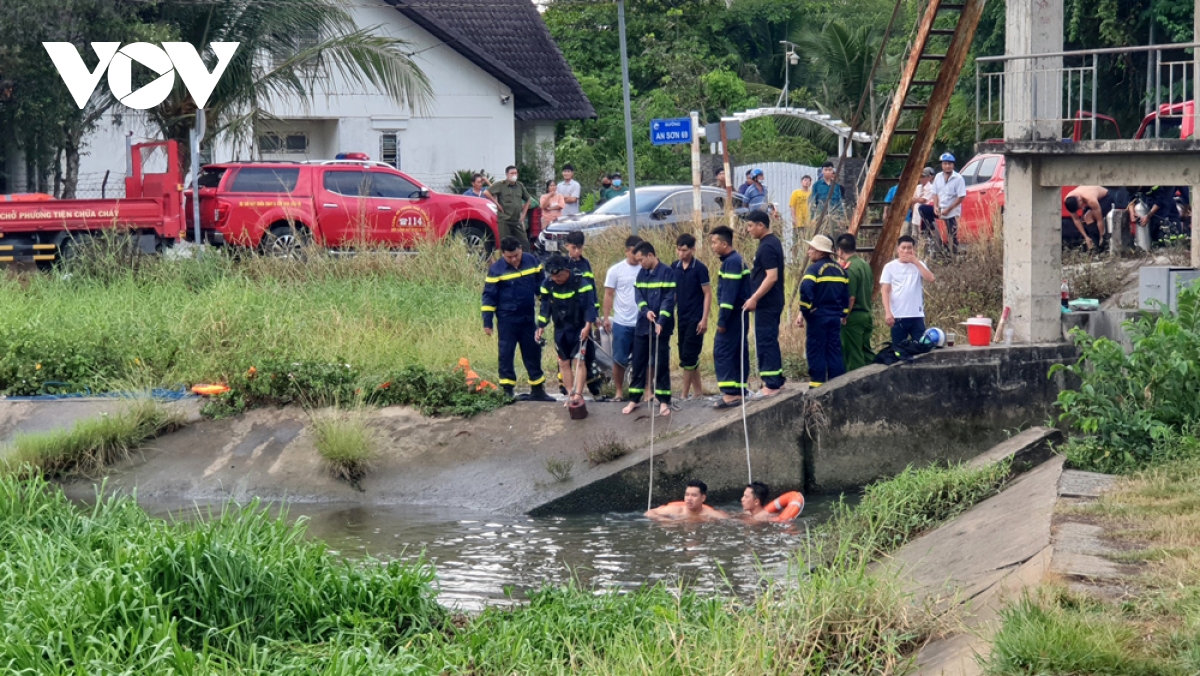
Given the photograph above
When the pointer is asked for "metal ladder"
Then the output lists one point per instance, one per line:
(935, 59)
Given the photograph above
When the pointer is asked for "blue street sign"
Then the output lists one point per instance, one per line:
(666, 132)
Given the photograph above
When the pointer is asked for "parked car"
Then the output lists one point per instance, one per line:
(280, 206)
(658, 206)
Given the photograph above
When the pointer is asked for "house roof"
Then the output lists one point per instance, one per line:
(509, 40)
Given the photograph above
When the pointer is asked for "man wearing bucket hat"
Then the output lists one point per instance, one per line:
(824, 303)
(949, 191)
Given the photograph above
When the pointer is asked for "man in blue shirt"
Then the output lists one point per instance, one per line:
(755, 192)
(826, 201)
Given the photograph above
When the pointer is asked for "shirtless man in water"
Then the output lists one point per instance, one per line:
(754, 502)
(691, 509)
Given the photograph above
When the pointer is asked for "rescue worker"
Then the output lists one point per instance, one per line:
(731, 343)
(824, 303)
(510, 294)
(766, 302)
(654, 292)
(582, 267)
(569, 300)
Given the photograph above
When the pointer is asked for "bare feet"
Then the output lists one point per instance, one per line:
(664, 410)
(631, 407)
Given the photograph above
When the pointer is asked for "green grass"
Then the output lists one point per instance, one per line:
(346, 442)
(92, 443)
(107, 589)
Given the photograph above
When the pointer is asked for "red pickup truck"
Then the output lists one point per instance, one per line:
(280, 206)
(42, 231)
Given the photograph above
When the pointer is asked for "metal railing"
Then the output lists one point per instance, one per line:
(1071, 84)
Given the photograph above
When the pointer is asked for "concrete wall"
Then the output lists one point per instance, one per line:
(465, 126)
(948, 405)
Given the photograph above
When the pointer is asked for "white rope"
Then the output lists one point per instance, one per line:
(742, 384)
(649, 390)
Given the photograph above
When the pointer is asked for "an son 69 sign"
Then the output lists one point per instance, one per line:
(118, 61)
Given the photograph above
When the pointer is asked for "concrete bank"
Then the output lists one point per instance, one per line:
(948, 405)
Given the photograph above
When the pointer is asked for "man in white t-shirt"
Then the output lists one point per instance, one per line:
(621, 311)
(570, 190)
(949, 190)
(921, 217)
(902, 286)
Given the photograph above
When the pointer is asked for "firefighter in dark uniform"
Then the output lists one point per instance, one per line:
(824, 303)
(654, 291)
(582, 267)
(733, 288)
(569, 300)
(510, 293)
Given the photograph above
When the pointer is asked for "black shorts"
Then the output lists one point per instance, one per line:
(566, 341)
(1106, 205)
(690, 345)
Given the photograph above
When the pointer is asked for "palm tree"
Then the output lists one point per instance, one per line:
(286, 47)
(842, 58)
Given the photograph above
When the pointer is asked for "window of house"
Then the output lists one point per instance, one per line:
(287, 143)
(291, 45)
(393, 187)
(348, 182)
(389, 149)
(265, 179)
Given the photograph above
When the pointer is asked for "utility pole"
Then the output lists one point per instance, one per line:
(696, 204)
(1195, 190)
(629, 164)
(728, 175)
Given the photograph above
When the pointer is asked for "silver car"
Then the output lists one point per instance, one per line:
(658, 206)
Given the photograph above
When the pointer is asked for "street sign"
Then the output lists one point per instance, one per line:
(667, 132)
(733, 131)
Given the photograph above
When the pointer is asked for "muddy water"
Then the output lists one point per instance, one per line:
(483, 559)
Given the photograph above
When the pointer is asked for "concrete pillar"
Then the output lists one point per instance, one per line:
(1032, 253)
(1033, 87)
(1032, 227)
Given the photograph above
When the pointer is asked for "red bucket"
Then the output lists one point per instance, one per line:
(979, 331)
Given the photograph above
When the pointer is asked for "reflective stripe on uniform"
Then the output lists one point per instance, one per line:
(654, 285)
(731, 384)
(768, 374)
(514, 275)
(488, 308)
(539, 381)
(663, 393)
(726, 306)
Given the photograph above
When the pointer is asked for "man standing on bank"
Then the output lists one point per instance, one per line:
(731, 351)
(858, 326)
(693, 298)
(513, 200)
(510, 294)
(824, 305)
(766, 302)
(655, 293)
(902, 287)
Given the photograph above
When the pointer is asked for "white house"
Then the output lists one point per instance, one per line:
(499, 80)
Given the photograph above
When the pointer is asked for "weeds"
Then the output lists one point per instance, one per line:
(1091, 276)
(93, 443)
(605, 447)
(560, 469)
(346, 442)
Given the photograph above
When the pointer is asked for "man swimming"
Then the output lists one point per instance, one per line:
(692, 508)
(757, 507)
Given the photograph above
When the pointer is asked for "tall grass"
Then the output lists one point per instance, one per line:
(108, 589)
(346, 443)
(92, 443)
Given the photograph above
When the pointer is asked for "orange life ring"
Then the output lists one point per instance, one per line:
(788, 506)
(210, 390)
(681, 503)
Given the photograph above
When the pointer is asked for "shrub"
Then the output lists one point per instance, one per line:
(346, 443)
(605, 447)
(1130, 406)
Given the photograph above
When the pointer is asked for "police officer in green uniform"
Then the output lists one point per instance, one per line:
(513, 200)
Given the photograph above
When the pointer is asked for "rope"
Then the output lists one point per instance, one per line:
(742, 384)
(649, 388)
